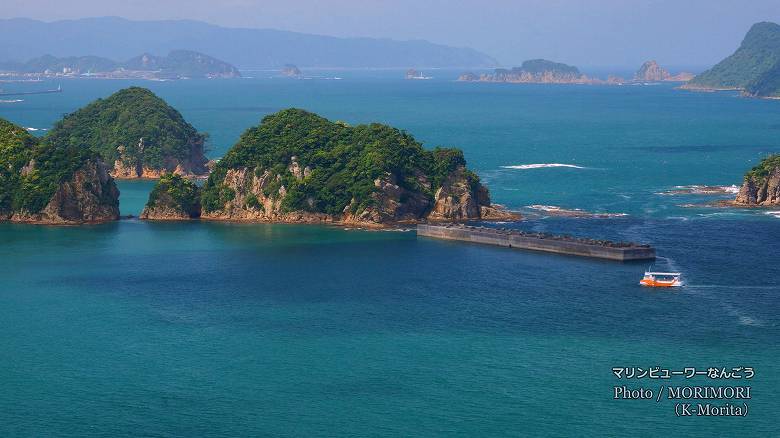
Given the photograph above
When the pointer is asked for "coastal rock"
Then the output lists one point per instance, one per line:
(651, 71)
(291, 71)
(323, 177)
(468, 77)
(761, 186)
(173, 198)
(136, 131)
(48, 184)
(89, 196)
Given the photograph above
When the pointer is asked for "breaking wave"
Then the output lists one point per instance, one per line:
(541, 166)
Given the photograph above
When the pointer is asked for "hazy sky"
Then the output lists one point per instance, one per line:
(584, 33)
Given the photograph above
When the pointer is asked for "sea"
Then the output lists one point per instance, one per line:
(224, 329)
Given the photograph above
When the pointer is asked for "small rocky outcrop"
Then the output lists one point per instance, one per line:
(173, 198)
(651, 71)
(301, 168)
(761, 186)
(291, 71)
(468, 77)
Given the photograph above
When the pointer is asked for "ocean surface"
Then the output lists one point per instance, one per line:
(188, 329)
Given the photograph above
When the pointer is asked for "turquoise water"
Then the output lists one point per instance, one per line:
(182, 329)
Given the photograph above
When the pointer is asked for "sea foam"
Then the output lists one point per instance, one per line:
(541, 166)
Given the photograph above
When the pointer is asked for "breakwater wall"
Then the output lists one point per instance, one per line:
(602, 249)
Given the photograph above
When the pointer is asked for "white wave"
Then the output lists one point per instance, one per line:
(12, 101)
(541, 166)
(773, 213)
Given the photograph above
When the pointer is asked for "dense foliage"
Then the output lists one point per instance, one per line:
(123, 119)
(543, 65)
(32, 170)
(761, 171)
(757, 55)
(183, 192)
(344, 162)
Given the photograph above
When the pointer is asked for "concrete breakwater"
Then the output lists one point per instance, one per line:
(621, 251)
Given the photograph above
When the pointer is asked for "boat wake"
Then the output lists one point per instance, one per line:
(541, 166)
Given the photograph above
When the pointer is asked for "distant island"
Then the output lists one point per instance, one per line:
(542, 71)
(137, 132)
(246, 48)
(178, 64)
(535, 71)
(761, 186)
(291, 71)
(298, 167)
(650, 71)
(753, 69)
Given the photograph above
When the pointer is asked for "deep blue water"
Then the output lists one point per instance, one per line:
(182, 329)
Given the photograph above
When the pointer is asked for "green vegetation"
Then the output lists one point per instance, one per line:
(753, 66)
(182, 192)
(32, 170)
(344, 161)
(761, 171)
(542, 65)
(123, 119)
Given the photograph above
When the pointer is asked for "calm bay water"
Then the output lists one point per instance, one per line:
(225, 329)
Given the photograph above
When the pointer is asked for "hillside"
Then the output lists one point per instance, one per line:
(44, 183)
(754, 64)
(299, 167)
(246, 48)
(136, 131)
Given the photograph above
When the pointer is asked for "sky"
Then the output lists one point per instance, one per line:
(595, 33)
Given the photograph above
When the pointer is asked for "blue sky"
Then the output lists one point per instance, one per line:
(596, 33)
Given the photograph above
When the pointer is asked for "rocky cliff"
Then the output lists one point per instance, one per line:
(173, 198)
(136, 131)
(299, 167)
(47, 184)
(761, 186)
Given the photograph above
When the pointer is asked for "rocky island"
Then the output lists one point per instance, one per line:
(173, 198)
(761, 186)
(753, 69)
(535, 71)
(46, 183)
(650, 71)
(298, 167)
(291, 71)
(138, 132)
(179, 64)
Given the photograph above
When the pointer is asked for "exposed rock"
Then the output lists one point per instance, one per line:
(89, 196)
(761, 186)
(468, 77)
(173, 198)
(651, 71)
(291, 71)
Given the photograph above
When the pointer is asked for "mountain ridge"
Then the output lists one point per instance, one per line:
(121, 38)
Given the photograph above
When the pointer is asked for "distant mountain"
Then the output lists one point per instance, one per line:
(178, 64)
(754, 67)
(118, 38)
